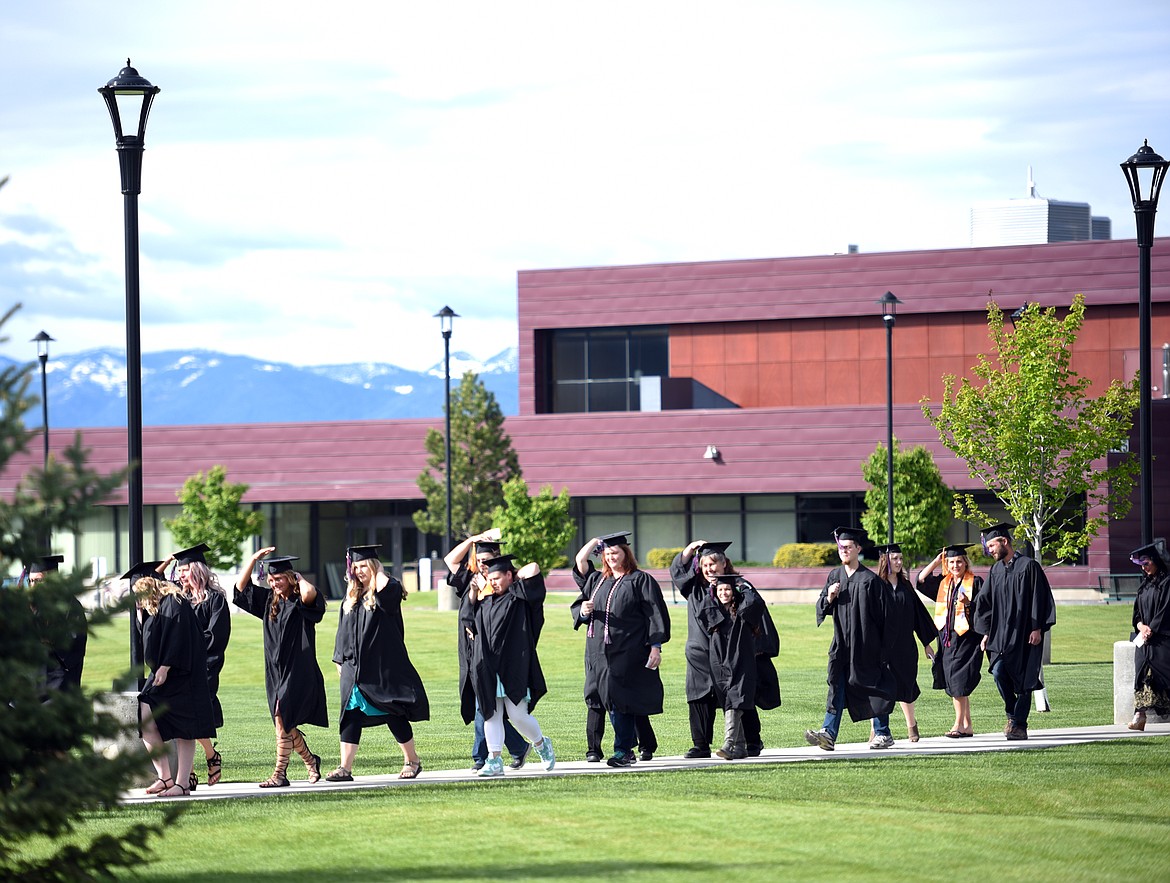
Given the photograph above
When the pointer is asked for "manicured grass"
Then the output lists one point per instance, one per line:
(1076, 813)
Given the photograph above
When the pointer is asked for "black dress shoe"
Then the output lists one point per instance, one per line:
(696, 752)
(646, 755)
(518, 760)
(755, 750)
(593, 757)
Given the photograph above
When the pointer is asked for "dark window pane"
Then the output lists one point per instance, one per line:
(649, 353)
(569, 398)
(608, 396)
(568, 356)
(607, 356)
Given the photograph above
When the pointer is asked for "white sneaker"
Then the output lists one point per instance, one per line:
(493, 767)
(882, 742)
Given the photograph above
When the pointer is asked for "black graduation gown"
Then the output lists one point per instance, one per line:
(860, 651)
(215, 619)
(1152, 607)
(911, 625)
(67, 660)
(959, 664)
(460, 581)
(182, 703)
(694, 589)
(1015, 601)
(616, 677)
(507, 627)
(731, 646)
(767, 649)
(370, 647)
(292, 677)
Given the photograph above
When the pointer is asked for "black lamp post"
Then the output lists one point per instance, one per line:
(1019, 314)
(1145, 172)
(889, 304)
(129, 95)
(42, 342)
(446, 317)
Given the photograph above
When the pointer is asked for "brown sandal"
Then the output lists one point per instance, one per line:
(314, 769)
(410, 770)
(913, 731)
(158, 785)
(275, 781)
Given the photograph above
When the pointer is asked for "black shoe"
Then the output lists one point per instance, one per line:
(518, 760)
(593, 757)
(622, 758)
(755, 750)
(477, 766)
(646, 755)
(696, 752)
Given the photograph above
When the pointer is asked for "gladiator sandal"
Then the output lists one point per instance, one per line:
(214, 768)
(283, 748)
(312, 761)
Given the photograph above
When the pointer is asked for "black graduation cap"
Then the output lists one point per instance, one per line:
(956, 551)
(615, 539)
(146, 568)
(730, 578)
(489, 546)
(499, 564)
(281, 564)
(887, 549)
(996, 531)
(192, 555)
(362, 553)
(46, 564)
(856, 534)
(708, 548)
(1155, 550)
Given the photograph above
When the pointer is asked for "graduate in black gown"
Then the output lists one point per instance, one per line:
(1151, 624)
(290, 608)
(209, 601)
(860, 678)
(693, 572)
(379, 685)
(1014, 611)
(626, 623)
(505, 669)
(959, 662)
(732, 616)
(907, 618)
(66, 655)
(469, 581)
(175, 704)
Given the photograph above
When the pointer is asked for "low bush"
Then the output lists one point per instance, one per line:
(805, 555)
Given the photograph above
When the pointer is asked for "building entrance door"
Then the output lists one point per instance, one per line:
(395, 534)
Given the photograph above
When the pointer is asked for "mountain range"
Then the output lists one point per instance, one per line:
(88, 389)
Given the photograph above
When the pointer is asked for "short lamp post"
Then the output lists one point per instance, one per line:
(1144, 172)
(128, 98)
(889, 304)
(446, 317)
(42, 341)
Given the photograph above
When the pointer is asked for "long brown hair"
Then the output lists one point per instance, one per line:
(630, 561)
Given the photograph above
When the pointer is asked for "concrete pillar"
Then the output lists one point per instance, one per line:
(448, 600)
(1123, 674)
(123, 707)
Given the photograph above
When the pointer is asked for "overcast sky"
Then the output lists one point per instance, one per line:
(320, 179)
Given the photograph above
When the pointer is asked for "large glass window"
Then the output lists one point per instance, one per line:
(599, 369)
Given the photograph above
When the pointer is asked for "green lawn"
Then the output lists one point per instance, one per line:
(1077, 813)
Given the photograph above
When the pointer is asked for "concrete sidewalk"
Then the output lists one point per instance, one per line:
(937, 745)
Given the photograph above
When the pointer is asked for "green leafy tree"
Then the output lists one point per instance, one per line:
(922, 501)
(212, 514)
(1032, 435)
(535, 528)
(482, 459)
(50, 775)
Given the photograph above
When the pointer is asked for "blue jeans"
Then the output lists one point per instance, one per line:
(625, 731)
(1017, 705)
(836, 708)
(513, 741)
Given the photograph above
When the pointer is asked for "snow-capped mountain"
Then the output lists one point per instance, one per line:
(198, 386)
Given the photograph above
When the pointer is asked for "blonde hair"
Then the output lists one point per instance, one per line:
(151, 590)
(203, 582)
(355, 591)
